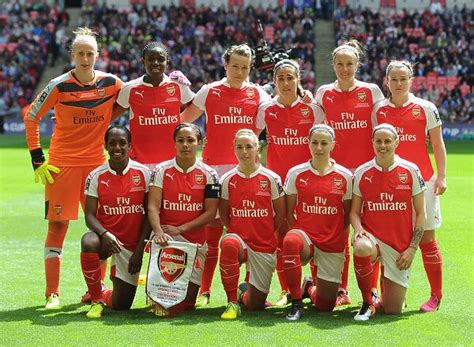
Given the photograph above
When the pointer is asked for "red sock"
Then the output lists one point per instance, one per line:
(103, 270)
(314, 270)
(312, 294)
(245, 297)
(230, 267)
(324, 305)
(345, 269)
(53, 249)
(375, 275)
(363, 270)
(279, 266)
(90, 264)
(107, 296)
(213, 236)
(433, 266)
(292, 247)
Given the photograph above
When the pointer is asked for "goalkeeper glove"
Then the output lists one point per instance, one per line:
(41, 167)
(179, 76)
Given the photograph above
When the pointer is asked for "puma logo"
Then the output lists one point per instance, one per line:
(217, 92)
(233, 184)
(105, 182)
(305, 182)
(330, 98)
(368, 178)
(171, 176)
(139, 93)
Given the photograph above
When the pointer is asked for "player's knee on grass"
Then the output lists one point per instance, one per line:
(123, 295)
(90, 242)
(362, 247)
(255, 299)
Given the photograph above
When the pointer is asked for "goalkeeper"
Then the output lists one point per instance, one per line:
(83, 100)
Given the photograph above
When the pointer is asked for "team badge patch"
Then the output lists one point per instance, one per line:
(58, 209)
(250, 93)
(362, 96)
(338, 182)
(305, 112)
(136, 179)
(403, 177)
(101, 92)
(263, 184)
(170, 90)
(415, 111)
(172, 262)
(199, 178)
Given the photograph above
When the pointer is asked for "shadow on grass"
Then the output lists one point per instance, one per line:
(73, 313)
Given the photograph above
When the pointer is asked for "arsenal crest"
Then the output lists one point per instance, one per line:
(170, 90)
(305, 112)
(199, 179)
(263, 184)
(415, 111)
(362, 96)
(136, 179)
(58, 209)
(338, 182)
(101, 92)
(250, 93)
(171, 263)
(403, 177)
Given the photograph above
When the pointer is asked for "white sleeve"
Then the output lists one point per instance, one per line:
(260, 121)
(225, 187)
(277, 189)
(319, 115)
(123, 98)
(319, 96)
(290, 183)
(433, 119)
(91, 185)
(348, 194)
(201, 96)
(377, 94)
(157, 177)
(355, 186)
(147, 175)
(263, 95)
(418, 184)
(187, 94)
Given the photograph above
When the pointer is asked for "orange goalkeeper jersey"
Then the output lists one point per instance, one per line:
(82, 115)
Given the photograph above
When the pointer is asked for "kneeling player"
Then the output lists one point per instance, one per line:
(116, 194)
(184, 194)
(252, 208)
(386, 190)
(318, 203)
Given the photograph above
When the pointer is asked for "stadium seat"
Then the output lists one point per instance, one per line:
(465, 89)
(453, 81)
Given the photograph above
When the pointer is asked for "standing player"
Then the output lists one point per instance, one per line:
(116, 194)
(414, 119)
(155, 101)
(252, 207)
(348, 105)
(83, 100)
(229, 105)
(287, 120)
(387, 214)
(184, 194)
(318, 202)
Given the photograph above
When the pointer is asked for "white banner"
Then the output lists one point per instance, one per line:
(169, 271)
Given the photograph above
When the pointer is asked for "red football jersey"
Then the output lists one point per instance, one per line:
(349, 114)
(184, 194)
(154, 114)
(413, 120)
(319, 210)
(227, 111)
(288, 132)
(387, 210)
(251, 206)
(121, 207)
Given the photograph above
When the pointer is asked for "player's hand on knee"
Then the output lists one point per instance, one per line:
(111, 243)
(406, 258)
(41, 167)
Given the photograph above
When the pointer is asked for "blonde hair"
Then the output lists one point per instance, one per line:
(385, 126)
(399, 64)
(242, 50)
(324, 129)
(84, 34)
(246, 132)
(353, 46)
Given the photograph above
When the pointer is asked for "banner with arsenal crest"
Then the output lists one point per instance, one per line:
(169, 272)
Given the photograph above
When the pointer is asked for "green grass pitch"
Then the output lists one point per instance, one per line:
(23, 321)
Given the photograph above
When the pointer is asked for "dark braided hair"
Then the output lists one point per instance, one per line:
(150, 45)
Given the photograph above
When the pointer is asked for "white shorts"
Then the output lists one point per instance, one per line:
(330, 265)
(260, 266)
(388, 257)
(433, 209)
(196, 275)
(119, 268)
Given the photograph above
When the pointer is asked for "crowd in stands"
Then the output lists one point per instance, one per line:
(30, 36)
(197, 37)
(439, 42)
